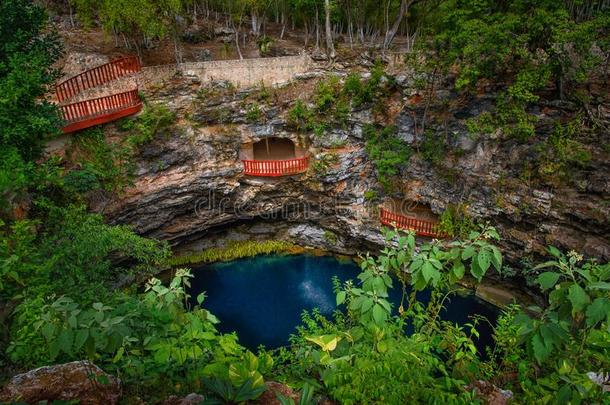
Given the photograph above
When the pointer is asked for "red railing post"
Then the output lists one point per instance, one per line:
(273, 168)
(96, 76)
(419, 226)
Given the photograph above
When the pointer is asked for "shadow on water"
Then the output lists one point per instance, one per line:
(262, 298)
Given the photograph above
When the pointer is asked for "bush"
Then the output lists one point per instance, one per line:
(387, 151)
(152, 339)
(99, 163)
(153, 120)
(562, 154)
(456, 222)
(254, 113)
(300, 116)
(433, 147)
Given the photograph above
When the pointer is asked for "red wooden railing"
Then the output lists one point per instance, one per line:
(88, 113)
(97, 76)
(420, 226)
(273, 168)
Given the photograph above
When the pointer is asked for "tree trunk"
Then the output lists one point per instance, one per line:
(177, 49)
(317, 30)
(330, 47)
(391, 33)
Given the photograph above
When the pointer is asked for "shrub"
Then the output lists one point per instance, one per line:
(433, 147)
(154, 119)
(98, 163)
(456, 222)
(561, 154)
(300, 116)
(387, 151)
(254, 113)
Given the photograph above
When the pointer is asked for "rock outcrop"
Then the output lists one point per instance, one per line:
(78, 380)
(190, 185)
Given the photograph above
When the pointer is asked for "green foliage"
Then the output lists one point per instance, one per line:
(489, 39)
(72, 252)
(508, 117)
(306, 397)
(27, 53)
(567, 338)
(562, 153)
(333, 100)
(109, 165)
(98, 163)
(301, 117)
(387, 151)
(152, 339)
(233, 250)
(254, 113)
(371, 195)
(155, 119)
(330, 237)
(456, 222)
(433, 147)
(28, 50)
(324, 162)
(364, 356)
(141, 20)
(528, 46)
(265, 44)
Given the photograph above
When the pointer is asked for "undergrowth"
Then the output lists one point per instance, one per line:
(234, 250)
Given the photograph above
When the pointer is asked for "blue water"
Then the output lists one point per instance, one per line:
(262, 298)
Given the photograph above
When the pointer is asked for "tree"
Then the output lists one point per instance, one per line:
(330, 48)
(27, 52)
(138, 21)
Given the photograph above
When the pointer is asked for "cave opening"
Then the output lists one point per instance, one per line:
(274, 149)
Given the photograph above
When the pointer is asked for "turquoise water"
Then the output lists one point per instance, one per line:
(262, 298)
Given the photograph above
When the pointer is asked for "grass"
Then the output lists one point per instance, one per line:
(235, 250)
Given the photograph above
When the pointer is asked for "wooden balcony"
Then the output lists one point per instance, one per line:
(97, 76)
(88, 113)
(420, 226)
(275, 168)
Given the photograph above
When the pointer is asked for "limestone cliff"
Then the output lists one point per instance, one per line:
(190, 188)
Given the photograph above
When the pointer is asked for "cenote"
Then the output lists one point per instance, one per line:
(262, 298)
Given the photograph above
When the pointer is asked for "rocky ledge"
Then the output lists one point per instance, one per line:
(190, 183)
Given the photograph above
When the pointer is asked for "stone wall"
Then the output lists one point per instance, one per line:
(242, 73)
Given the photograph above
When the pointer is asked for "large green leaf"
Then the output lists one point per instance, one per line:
(548, 279)
(458, 269)
(476, 270)
(484, 260)
(379, 314)
(428, 271)
(578, 297)
(598, 311)
(328, 343)
(65, 340)
(541, 352)
(341, 295)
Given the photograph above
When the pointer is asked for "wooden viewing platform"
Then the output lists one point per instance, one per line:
(420, 226)
(97, 76)
(96, 111)
(275, 168)
(84, 114)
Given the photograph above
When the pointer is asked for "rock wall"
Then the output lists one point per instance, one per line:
(190, 186)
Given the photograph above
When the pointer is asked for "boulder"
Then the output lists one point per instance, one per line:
(269, 397)
(78, 380)
(491, 394)
(190, 399)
